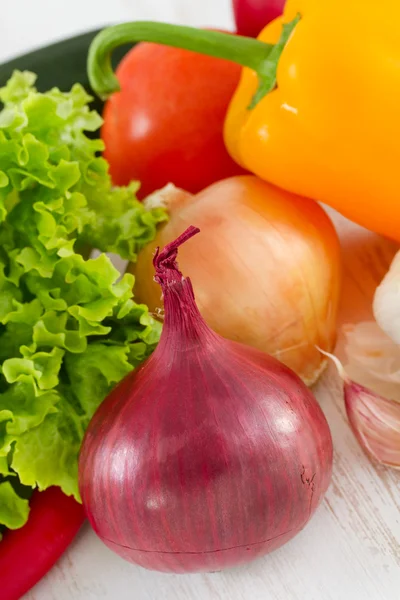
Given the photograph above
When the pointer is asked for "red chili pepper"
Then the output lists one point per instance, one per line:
(253, 15)
(27, 554)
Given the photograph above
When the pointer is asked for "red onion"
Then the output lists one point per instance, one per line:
(251, 16)
(209, 454)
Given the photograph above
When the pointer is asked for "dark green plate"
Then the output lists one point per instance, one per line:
(59, 65)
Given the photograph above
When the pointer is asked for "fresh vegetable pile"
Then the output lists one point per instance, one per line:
(70, 328)
(212, 452)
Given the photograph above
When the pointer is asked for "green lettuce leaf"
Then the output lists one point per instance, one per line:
(14, 510)
(69, 326)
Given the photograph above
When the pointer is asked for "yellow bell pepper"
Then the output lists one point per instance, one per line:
(330, 130)
(317, 114)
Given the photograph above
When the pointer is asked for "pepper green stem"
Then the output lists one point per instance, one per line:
(247, 52)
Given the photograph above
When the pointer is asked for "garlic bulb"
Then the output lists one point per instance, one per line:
(373, 360)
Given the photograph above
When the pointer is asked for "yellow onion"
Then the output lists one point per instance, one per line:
(266, 271)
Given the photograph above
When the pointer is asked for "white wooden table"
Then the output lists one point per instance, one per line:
(351, 548)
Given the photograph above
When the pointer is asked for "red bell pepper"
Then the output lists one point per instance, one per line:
(27, 554)
(252, 15)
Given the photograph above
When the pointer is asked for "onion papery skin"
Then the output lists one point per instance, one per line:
(266, 269)
(207, 456)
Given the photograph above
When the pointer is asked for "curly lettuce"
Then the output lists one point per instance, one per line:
(69, 327)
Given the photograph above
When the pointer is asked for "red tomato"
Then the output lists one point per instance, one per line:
(165, 125)
(253, 15)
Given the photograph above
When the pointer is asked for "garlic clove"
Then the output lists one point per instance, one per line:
(372, 358)
(374, 419)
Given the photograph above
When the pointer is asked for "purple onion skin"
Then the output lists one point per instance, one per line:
(207, 456)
